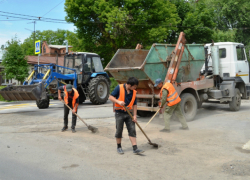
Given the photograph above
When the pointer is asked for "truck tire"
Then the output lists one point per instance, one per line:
(145, 113)
(99, 90)
(234, 105)
(188, 106)
(43, 104)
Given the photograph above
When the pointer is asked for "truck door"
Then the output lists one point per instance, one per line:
(242, 64)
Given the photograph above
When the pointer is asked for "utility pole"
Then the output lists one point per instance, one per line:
(34, 31)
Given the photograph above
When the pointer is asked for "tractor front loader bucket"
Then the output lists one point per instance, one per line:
(24, 92)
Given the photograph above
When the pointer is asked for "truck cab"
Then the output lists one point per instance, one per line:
(233, 60)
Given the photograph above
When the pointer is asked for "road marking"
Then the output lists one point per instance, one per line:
(19, 106)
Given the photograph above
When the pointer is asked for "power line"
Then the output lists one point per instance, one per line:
(30, 16)
(53, 8)
(13, 20)
(55, 22)
(16, 17)
(52, 20)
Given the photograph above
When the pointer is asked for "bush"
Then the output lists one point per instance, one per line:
(1, 97)
(114, 83)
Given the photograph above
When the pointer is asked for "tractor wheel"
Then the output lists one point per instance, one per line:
(99, 90)
(188, 106)
(234, 105)
(43, 104)
(82, 97)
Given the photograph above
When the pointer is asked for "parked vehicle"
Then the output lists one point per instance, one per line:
(216, 71)
(83, 70)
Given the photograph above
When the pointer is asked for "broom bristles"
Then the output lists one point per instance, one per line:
(246, 146)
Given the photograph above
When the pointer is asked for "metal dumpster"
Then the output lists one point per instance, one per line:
(148, 65)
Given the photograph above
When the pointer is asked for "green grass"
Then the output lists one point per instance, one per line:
(1, 97)
(114, 83)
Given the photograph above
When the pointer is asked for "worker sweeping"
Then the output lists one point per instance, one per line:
(169, 94)
(125, 94)
(71, 98)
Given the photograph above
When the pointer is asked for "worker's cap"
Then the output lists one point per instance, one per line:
(157, 81)
(69, 87)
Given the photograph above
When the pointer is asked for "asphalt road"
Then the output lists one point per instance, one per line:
(33, 147)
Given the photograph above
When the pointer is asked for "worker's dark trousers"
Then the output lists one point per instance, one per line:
(66, 114)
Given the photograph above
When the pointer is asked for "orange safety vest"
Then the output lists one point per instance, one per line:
(76, 95)
(173, 97)
(122, 98)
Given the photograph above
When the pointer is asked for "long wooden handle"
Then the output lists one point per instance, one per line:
(155, 115)
(75, 113)
(137, 124)
(152, 117)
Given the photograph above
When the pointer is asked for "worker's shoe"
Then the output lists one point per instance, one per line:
(120, 151)
(182, 128)
(165, 130)
(64, 128)
(138, 151)
(73, 130)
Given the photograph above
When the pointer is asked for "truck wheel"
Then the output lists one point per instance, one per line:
(99, 90)
(43, 104)
(144, 113)
(234, 105)
(188, 106)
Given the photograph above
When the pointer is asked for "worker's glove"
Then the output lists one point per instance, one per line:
(159, 104)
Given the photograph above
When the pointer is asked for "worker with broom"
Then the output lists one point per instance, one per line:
(71, 98)
(169, 94)
(125, 95)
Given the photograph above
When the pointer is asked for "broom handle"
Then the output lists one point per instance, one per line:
(74, 113)
(137, 124)
(152, 117)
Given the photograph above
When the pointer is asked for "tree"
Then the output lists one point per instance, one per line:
(233, 14)
(224, 36)
(107, 25)
(14, 61)
(198, 23)
(52, 37)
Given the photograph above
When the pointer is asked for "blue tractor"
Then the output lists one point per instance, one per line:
(83, 70)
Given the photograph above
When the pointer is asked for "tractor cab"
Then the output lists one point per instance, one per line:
(92, 82)
(83, 63)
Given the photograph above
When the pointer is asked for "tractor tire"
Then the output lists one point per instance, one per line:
(188, 106)
(43, 104)
(234, 105)
(99, 90)
(82, 97)
(145, 113)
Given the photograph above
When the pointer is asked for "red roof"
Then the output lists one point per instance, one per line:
(45, 60)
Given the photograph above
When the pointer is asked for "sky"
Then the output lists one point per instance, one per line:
(45, 8)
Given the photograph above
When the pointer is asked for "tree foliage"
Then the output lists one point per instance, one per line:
(232, 14)
(14, 61)
(52, 37)
(107, 25)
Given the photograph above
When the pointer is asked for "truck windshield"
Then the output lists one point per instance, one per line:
(240, 54)
(97, 65)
